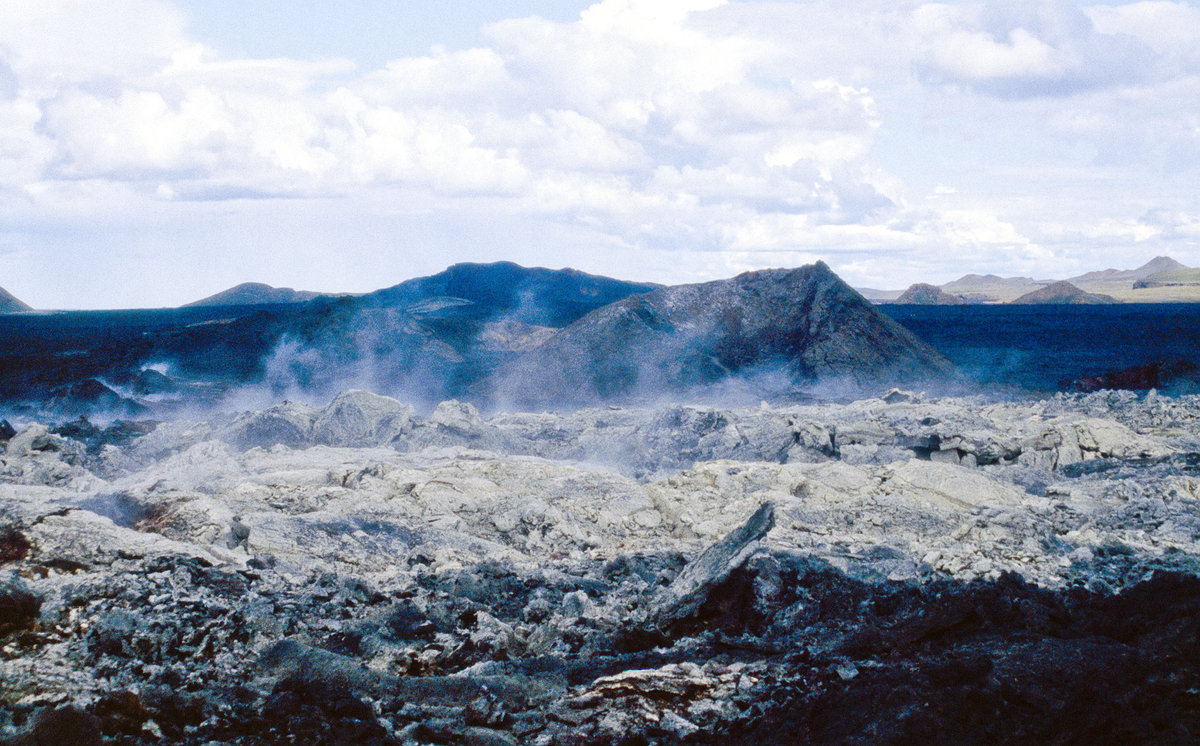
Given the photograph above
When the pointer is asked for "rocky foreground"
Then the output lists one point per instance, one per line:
(894, 570)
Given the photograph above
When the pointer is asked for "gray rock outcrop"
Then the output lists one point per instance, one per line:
(801, 324)
(593, 576)
(11, 304)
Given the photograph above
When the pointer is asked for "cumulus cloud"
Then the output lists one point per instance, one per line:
(1172, 29)
(1023, 48)
(740, 129)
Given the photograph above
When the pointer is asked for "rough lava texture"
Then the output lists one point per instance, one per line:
(801, 324)
(899, 569)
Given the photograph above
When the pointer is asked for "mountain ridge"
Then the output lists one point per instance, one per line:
(923, 294)
(1063, 293)
(9, 303)
(257, 293)
(531, 295)
(1155, 281)
(805, 323)
(1152, 267)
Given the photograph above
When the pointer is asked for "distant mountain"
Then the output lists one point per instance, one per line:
(974, 282)
(991, 288)
(430, 338)
(1178, 277)
(255, 293)
(805, 324)
(922, 294)
(10, 304)
(1155, 266)
(504, 290)
(1063, 293)
(1160, 280)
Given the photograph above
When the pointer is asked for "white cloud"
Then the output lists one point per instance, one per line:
(718, 131)
(1169, 28)
(1024, 48)
(587, 118)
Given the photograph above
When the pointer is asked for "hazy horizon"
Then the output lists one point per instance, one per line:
(334, 292)
(155, 152)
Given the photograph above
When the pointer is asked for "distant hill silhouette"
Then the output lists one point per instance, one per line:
(253, 294)
(1063, 293)
(1162, 279)
(10, 304)
(530, 295)
(1154, 266)
(923, 294)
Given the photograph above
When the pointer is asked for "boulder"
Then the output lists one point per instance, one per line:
(691, 588)
(362, 419)
(36, 440)
(457, 417)
(289, 424)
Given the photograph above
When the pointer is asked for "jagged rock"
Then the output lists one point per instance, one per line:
(541, 591)
(168, 438)
(289, 424)
(691, 587)
(360, 419)
(91, 396)
(896, 396)
(457, 417)
(289, 659)
(37, 439)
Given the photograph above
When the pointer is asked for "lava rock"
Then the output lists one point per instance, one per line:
(19, 606)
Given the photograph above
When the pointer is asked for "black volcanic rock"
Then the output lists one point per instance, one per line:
(90, 396)
(1063, 293)
(1165, 374)
(923, 294)
(253, 294)
(10, 304)
(806, 323)
(426, 339)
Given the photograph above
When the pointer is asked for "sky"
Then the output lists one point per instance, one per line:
(153, 152)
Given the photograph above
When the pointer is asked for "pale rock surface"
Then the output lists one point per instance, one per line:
(401, 537)
(362, 419)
